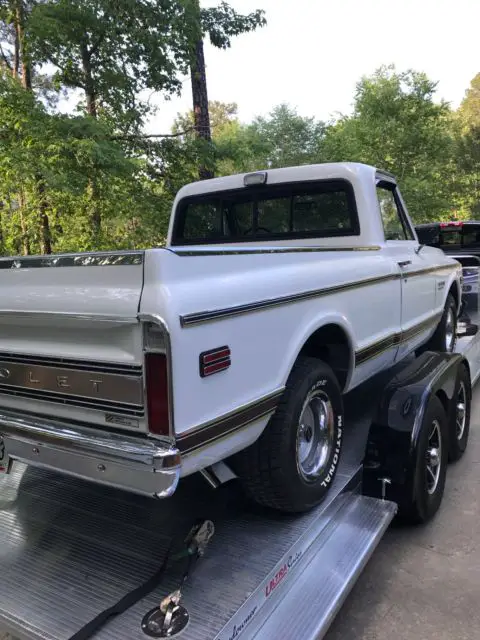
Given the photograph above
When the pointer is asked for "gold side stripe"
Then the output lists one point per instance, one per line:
(200, 317)
(395, 339)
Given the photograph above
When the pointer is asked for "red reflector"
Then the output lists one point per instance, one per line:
(215, 367)
(214, 361)
(157, 393)
(215, 355)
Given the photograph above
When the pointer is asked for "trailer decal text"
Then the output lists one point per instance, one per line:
(281, 573)
(238, 630)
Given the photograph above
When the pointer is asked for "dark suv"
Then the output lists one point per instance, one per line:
(460, 240)
(457, 239)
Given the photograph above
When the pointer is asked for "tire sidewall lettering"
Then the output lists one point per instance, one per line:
(323, 383)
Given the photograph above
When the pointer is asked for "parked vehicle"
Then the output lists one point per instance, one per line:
(277, 292)
(456, 238)
(461, 241)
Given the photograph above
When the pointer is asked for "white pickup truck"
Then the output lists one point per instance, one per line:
(277, 292)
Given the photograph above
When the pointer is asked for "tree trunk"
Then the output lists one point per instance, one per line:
(200, 102)
(16, 56)
(22, 60)
(89, 84)
(94, 211)
(91, 102)
(23, 226)
(22, 49)
(45, 235)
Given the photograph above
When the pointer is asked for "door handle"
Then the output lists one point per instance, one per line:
(404, 263)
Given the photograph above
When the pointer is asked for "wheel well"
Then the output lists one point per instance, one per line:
(330, 344)
(454, 292)
(442, 396)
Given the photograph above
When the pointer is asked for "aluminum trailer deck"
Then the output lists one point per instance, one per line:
(70, 549)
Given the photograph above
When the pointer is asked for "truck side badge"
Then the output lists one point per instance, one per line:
(214, 361)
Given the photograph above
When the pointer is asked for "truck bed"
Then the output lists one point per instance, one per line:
(70, 549)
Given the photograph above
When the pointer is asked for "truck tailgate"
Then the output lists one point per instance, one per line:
(70, 341)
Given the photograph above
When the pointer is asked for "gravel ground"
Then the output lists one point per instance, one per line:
(423, 582)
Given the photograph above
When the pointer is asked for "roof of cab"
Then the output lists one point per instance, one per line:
(324, 171)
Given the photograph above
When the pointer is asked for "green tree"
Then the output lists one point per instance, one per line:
(397, 125)
(468, 149)
(286, 138)
(114, 52)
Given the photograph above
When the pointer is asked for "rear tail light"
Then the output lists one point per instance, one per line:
(444, 225)
(156, 373)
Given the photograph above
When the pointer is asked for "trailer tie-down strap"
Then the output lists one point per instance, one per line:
(191, 551)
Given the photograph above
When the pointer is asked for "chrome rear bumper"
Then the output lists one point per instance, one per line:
(128, 462)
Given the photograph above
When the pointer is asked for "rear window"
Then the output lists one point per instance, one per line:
(318, 210)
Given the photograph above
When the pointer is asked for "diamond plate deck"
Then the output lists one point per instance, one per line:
(71, 548)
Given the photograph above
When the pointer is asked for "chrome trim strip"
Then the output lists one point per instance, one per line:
(200, 317)
(157, 320)
(188, 253)
(73, 363)
(210, 432)
(394, 340)
(438, 269)
(88, 259)
(66, 315)
(118, 408)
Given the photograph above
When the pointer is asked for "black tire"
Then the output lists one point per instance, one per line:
(460, 420)
(269, 469)
(438, 342)
(425, 504)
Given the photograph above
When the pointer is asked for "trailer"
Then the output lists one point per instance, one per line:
(79, 560)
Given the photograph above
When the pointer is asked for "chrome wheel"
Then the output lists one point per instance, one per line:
(461, 410)
(433, 457)
(450, 330)
(315, 435)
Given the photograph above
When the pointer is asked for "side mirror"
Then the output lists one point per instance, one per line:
(419, 248)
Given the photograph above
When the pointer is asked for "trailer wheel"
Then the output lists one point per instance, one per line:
(431, 468)
(445, 337)
(460, 418)
(292, 465)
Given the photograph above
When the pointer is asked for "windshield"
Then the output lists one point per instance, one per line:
(319, 209)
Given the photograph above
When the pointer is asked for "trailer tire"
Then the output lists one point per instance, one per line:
(460, 415)
(293, 463)
(445, 337)
(432, 445)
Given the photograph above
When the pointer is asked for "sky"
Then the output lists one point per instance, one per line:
(312, 52)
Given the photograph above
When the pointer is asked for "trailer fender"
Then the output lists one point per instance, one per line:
(392, 450)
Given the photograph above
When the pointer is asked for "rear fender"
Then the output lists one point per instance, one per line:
(314, 325)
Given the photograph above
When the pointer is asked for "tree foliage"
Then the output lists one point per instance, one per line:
(90, 179)
(397, 125)
(468, 148)
(113, 51)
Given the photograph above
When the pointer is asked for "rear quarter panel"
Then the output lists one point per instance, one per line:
(264, 343)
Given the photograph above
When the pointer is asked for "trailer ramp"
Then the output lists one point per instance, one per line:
(70, 549)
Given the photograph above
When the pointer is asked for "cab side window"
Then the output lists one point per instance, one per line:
(394, 221)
